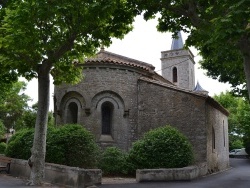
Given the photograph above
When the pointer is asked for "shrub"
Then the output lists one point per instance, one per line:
(164, 147)
(2, 129)
(236, 144)
(113, 161)
(2, 147)
(70, 145)
(20, 144)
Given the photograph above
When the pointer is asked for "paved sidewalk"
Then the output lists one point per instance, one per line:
(10, 181)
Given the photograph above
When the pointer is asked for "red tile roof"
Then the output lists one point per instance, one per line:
(104, 57)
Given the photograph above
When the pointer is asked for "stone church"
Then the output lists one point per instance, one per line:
(121, 98)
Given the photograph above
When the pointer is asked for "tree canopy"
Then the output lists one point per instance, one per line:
(13, 104)
(57, 33)
(220, 30)
(39, 38)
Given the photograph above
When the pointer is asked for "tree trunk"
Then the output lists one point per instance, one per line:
(247, 72)
(244, 45)
(38, 151)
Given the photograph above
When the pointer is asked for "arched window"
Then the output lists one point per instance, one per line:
(107, 112)
(213, 138)
(224, 139)
(72, 113)
(175, 75)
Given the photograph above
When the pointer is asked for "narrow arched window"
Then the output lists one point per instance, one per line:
(175, 75)
(213, 138)
(224, 139)
(107, 112)
(72, 113)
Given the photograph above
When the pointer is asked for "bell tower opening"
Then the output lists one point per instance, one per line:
(175, 76)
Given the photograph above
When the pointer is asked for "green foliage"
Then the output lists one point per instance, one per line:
(54, 34)
(164, 147)
(2, 147)
(247, 143)
(2, 129)
(20, 144)
(13, 104)
(239, 109)
(70, 145)
(218, 29)
(113, 161)
(28, 119)
(75, 146)
(236, 144)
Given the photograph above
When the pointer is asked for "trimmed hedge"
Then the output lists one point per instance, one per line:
(70, 145)
(113, 161)
(20, 144)
(164, 147)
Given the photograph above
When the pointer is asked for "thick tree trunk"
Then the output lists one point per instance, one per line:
(38, 151)
(244, 45)
(247, 72)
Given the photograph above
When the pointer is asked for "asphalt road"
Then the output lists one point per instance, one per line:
(236, 177)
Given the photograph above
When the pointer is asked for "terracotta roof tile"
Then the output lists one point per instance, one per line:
(104, 57)
(107, 60)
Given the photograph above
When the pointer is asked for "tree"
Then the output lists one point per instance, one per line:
(220, 30)
(239, 118)
(28, 118)
(2, 129)
(13, 104)
(42, 37)
(10, 76)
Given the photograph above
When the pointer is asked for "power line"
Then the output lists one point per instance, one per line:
(175, 64)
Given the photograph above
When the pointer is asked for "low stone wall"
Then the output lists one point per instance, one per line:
(59, 174)
(171, 174)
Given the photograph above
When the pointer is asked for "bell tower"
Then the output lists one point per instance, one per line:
(177, 64)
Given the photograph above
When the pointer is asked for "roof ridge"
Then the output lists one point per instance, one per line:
(103, 53)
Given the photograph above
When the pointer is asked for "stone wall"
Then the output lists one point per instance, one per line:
(160, 105)
(59, 174)
(100, 84)
(168, 174)
(217, 140)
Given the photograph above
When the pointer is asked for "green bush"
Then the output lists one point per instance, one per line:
(2, 129)
(236, 144)
(164, 147)
(113, 161)
(2, 147)
(20, 144)
(70, 145)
